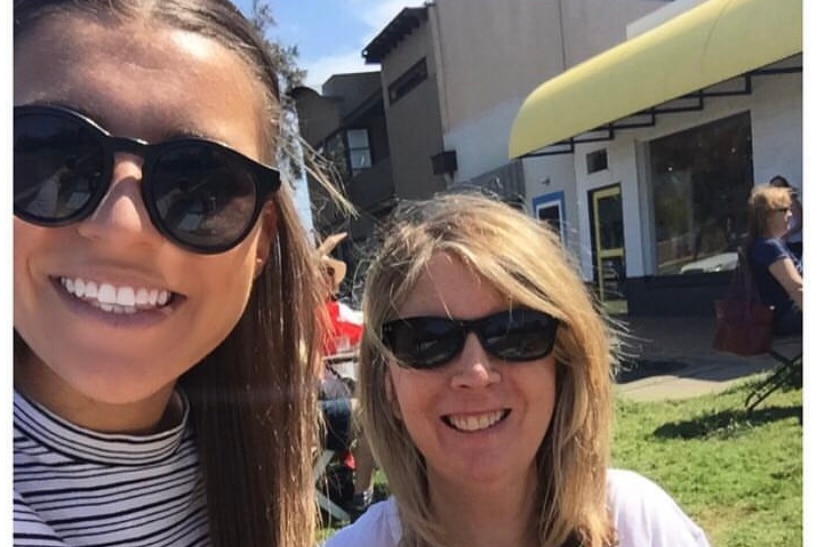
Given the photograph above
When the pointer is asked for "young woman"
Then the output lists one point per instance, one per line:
(485, 381)
(165, 291)
(777, 272)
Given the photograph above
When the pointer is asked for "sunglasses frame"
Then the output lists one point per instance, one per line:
(266, 179)
(466, 326)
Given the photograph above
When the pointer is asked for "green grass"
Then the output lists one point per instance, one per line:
(738, 475)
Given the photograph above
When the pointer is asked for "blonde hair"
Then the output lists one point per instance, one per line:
(762, 201)
(527, 263)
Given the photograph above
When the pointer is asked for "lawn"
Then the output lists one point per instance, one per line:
(738, 475)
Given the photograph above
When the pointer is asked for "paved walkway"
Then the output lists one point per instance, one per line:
(676, 360)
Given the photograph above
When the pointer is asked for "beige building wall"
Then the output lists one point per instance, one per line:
(492, 51)
(414, 121)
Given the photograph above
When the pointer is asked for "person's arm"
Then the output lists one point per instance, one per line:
(797, 215)
(787, 275)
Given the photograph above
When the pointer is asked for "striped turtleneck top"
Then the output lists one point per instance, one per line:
(73, 486)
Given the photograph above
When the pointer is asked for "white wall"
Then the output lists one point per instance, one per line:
(776, 113)
(545, 175)
(481, 143)
(777, 129)
(622, 169)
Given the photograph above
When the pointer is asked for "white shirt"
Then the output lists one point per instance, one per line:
(644, 515)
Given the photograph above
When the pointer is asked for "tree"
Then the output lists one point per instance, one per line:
(296, 157)
(285, 56)
(290, 76)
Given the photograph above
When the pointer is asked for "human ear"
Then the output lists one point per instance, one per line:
(267, 233)
(390, 394)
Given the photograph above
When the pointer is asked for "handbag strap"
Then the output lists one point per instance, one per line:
(743, 285)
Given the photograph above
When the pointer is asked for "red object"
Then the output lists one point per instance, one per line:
(348, 460)
(344, 335)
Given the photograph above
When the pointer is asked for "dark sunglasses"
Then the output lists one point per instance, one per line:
(201, 195)
(516, 335)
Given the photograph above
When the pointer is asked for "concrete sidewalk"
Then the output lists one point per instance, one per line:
(675, 359)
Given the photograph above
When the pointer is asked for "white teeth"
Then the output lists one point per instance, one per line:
(117, 300)
(163, 297)
(90, 290)
(141, 297)
(475, 423)
(126, 296)
(107, 294)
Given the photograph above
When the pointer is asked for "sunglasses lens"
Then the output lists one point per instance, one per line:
(520, 335)
(423, 342)
(205, 196)
(58, 168)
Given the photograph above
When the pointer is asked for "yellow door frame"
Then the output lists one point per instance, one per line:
(600, 253)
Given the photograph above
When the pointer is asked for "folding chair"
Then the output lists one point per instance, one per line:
(788, 369)
(322, 499)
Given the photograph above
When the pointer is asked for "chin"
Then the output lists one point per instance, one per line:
(116, 381)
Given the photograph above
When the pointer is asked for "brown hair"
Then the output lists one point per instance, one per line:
(253, 402)
(526, 262)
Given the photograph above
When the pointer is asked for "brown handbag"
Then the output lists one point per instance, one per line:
(744, 323)
(743, 327)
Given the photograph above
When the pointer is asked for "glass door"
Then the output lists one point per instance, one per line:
(609, 256)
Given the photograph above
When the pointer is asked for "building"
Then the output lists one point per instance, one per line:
(669, 132)
(636, 127)
(380, 130)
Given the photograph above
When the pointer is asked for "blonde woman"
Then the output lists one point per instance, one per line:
(776, 270)
(486, 386)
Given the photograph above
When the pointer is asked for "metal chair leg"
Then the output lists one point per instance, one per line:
(322, 500)
(788, 369)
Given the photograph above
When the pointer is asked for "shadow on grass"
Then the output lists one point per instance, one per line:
(726, 422)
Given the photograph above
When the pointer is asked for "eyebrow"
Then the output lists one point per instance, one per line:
(179, 132)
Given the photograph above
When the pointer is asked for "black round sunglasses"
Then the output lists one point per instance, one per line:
(200, 194)
(516, 335)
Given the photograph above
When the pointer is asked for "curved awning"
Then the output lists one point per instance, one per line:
(710, 43)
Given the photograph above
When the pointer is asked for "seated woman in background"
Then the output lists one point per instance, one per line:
(777, 272)
(794, 235)
(485, 378)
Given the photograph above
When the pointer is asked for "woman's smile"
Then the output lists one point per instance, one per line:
(116, 299)
(475, 422)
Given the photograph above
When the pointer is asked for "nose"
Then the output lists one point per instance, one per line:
(121, 217)
(473, 367)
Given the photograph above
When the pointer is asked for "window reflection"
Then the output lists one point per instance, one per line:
(700, 180)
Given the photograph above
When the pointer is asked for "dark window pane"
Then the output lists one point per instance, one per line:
(701, 179)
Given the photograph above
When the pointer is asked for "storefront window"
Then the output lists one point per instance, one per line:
(701, 179)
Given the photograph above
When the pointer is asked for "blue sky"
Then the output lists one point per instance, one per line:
(330, 34)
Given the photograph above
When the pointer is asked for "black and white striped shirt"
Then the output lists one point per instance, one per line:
(73, 486)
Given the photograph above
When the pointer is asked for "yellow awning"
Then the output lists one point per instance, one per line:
(707, 44)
